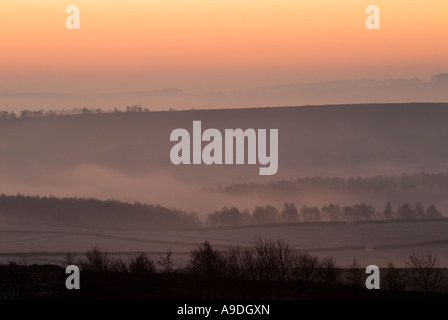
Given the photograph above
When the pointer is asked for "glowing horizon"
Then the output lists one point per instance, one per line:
(201, 45)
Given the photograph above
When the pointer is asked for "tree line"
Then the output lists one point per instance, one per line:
(327, 213)
(25, 114)
(276, 260)
(266, 269)
(421, 183)
(92, 213)
(273, 260)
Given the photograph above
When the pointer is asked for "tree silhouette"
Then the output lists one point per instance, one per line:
(96, 260)
(166, 262)
(310, 214)
(406, 211)
(141, 263)
(289, 213)
(433, 213)
(425, 271)
(306, 267)
(396, 279)
(388, 211)
(69, 259)
(265, 215)
(332, 212)
(329, 271)
(205, 261)
(355, 273)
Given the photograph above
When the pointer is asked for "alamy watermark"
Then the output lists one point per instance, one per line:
(373, 280)
(73, 280)
(72, 22)
(227, 148)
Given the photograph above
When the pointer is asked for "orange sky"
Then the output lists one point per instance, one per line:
(204, 45)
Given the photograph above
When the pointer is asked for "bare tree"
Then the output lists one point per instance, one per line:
(233, 262)
(248, 263)
(274, 259)
(286, 257)
(329, 271)
(265, 258)
(306, 267)
(70, 258)
(396, 279)
(118, 265)
(425, 271)
(96, 260)
(141, 263)
(355, 273)
(205, 261)
(268, 260)
(166, 262)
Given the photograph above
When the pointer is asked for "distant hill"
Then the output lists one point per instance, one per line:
(91, 213)
(330, 92)
(126, 155)
(313, 140)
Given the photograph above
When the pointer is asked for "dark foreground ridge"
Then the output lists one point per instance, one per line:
(47, 282)
(271, 270)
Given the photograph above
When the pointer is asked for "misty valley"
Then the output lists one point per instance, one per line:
(364, 182)
(219, 158)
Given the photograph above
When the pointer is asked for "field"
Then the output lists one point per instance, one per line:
(372, 243)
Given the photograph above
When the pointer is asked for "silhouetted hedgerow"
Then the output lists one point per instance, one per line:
(269, 269)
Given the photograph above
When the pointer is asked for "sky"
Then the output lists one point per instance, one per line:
(218, 45)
